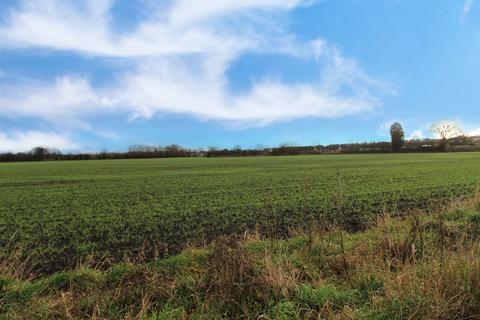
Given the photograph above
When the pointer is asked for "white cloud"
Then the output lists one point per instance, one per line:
(181, 56)
(22, 141)
(186, 27)
(467, 7)
(187, 12)
(474, 132)
(57, 24)
(417, 134)
(66, 99)
(198, 87)
(269, 100)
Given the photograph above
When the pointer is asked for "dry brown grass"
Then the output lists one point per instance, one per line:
(440, 290)
(16, 266)
(426, 267)
(280, 277)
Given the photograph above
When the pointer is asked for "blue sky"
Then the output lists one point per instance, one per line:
(88, 75)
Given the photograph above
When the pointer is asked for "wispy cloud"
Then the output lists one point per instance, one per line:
(417, 134)
(467, 7)
(197, 87)
(65, 99)
(185, 27)
(20, 141)
(475, 132)
(181, 57)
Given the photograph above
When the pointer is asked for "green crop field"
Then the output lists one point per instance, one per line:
(64, 211)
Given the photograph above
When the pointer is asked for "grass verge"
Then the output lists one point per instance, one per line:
(416, 267)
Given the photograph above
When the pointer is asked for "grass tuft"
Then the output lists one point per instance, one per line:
(417, 266)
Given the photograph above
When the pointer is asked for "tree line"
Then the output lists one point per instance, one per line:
(451, 138)
(449, 134)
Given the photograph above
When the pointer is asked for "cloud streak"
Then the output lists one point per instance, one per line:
(467, 7)
(23, 141)
(85, 27)
(181, 56)
(417, 134)
(67, 99)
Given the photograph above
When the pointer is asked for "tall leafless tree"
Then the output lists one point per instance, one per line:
(446, 129)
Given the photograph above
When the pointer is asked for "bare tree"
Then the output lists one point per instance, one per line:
(259, 147)
(446, 129)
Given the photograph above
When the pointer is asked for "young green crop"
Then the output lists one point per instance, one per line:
(64, 211)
